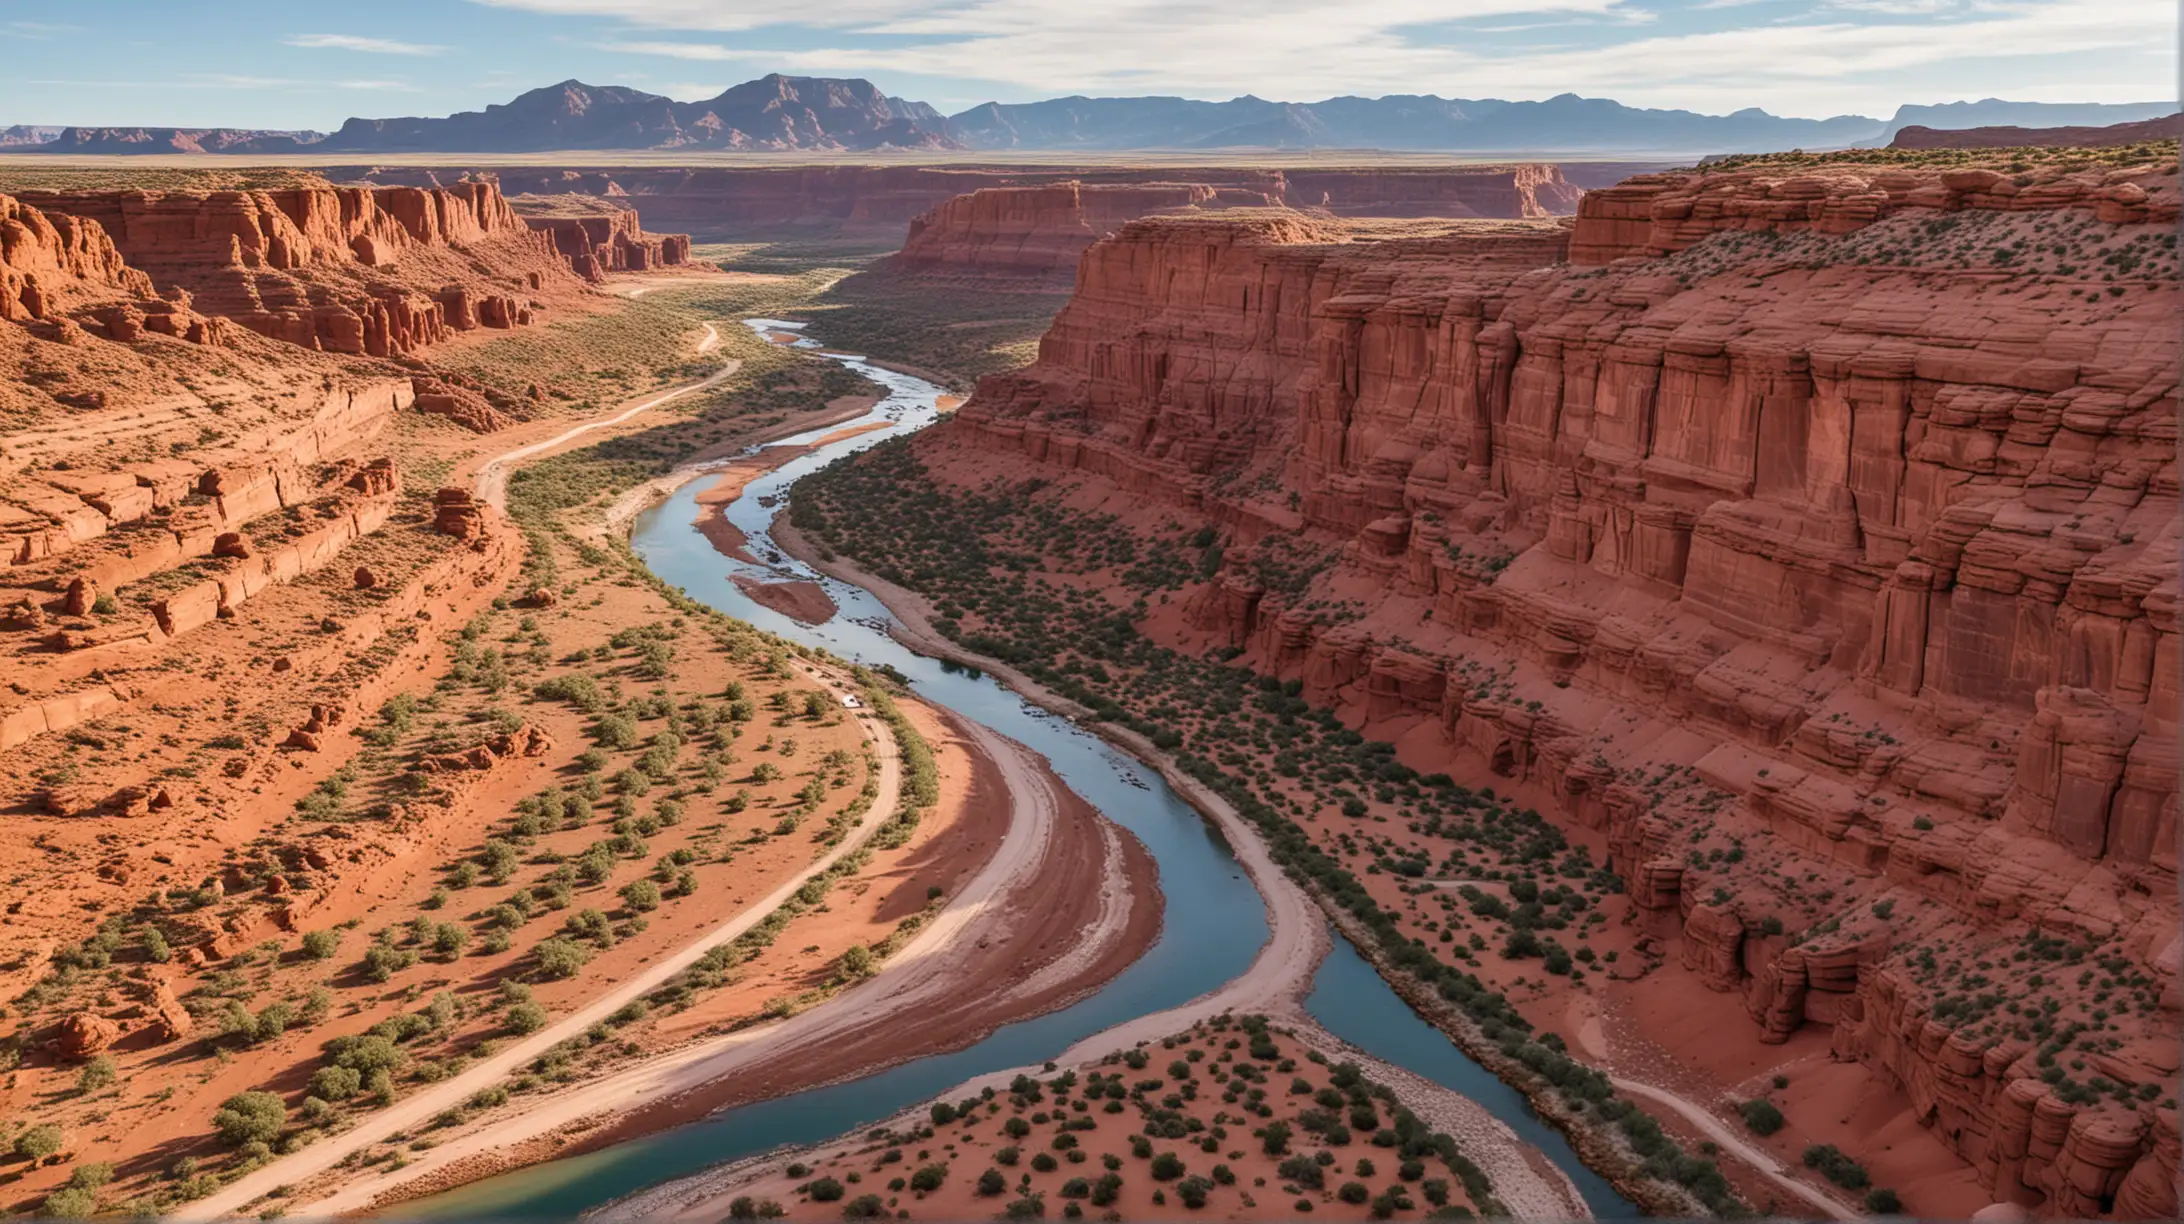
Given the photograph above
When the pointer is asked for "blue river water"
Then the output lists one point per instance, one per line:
(1214, 921)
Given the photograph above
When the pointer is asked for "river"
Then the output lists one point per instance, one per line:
(1214, 922)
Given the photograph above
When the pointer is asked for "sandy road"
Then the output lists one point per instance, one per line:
(423, 1106)
(927, 975)
(492, 482)
(1728, 1138)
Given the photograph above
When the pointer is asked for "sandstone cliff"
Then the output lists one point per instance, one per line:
(50, 262)
(599, 238)
(1847, 500)
(353, 270)
(1917, 137)
(1043, 230)
(713, 200)
(1040, 230)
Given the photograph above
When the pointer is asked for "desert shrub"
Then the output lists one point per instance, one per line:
(1353, 1193)
(526, 1017)
(320, 945)
(250, 1117)
(73, 1203)
(1837, 1167)
(1761, 1117)
(992, 1183)
(96, 1074)
(39, 1142)
(335, 1083)
(560, 958)
(1880, 1200)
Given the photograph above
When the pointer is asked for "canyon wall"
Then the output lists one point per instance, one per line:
(711, 201)
(1850, 496)
(1042, 231)
(375, 271)
(600, 244)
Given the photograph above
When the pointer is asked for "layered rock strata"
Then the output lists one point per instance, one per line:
(1832, 514)
(375, 271)
(716, 200)
(600, 244)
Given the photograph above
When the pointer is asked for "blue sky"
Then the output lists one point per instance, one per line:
(286, 65)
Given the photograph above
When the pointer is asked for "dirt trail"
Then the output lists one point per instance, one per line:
(1728, 1138)
(421, 1107)
(492, 482)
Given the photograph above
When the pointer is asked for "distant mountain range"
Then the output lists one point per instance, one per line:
(822, 114)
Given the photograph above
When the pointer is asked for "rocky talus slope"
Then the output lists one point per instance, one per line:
(1789, 525)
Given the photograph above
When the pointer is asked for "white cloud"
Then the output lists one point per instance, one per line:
(677, 50)
(1833, 57)
(232, 80)
(357, 42)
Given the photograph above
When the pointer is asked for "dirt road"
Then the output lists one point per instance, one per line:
(1727, 1137)
(492, 483)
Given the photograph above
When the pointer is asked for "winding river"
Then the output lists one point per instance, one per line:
(1215, 921)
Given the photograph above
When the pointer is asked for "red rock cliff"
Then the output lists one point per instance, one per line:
(1854, 498)
(357, 270)
(46, 262)
(612, 241)
(1035, 229)
(1044, 230)
(711, 200)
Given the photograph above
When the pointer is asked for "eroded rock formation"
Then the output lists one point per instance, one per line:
(604, 239)
(715, 200)
(376, 271)
(1044, 230)
(1832, 513)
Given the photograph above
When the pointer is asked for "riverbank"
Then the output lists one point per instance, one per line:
(1019, 931)
(1281, 975)
(1245, 1176)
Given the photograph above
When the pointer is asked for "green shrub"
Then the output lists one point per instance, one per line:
(1836, 1166)
(96, 1074)
(335, 1083)
(1880, 1200)
(825, 1190)
(39, 1142)
(560, 958)
(320, 945)
(1761, 1117)
(74, 1203)
(250, 1117)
